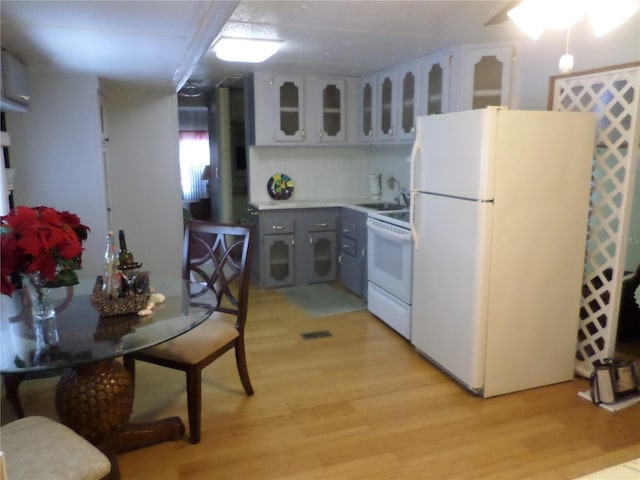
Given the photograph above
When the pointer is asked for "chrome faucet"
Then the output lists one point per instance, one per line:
(402, 195)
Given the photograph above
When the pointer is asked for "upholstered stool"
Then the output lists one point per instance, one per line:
(39, 448)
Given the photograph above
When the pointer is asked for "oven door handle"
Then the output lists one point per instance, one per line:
(393, 236)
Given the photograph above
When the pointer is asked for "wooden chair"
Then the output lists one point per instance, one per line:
(218, 257)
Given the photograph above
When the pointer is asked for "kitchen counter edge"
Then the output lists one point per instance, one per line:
(293, 205)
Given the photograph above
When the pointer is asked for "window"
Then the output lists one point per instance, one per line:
(194, 157)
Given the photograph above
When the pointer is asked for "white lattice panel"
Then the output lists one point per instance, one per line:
(613, 97)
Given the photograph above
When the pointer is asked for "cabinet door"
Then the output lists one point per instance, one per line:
(407, 101)
(485, 77)
(277, 249)
(352, 264)
(330, 114)
(322, 267)
(289, 111)
(436, 75)
(386, 92)
(368, 93)
(278, 264)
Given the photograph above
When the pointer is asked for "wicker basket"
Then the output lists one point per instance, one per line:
(128, 303)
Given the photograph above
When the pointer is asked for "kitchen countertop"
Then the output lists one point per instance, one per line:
(297, 204)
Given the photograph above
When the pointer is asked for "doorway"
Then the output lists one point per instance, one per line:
(216, 189)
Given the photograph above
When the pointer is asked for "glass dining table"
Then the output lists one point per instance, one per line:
(94, 395)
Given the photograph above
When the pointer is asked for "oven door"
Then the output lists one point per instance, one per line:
(389, 258)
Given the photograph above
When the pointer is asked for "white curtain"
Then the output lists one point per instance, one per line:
(194, 157)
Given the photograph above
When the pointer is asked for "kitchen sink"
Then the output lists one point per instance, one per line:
(381, 206)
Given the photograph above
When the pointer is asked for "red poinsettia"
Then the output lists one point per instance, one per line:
(40, 239)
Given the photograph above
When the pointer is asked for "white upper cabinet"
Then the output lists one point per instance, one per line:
(330, 109)
(279, 109)
(305, 110)
(483, 75)
(408, 101)
(386, 105)
(368, 114)
(289, 112)
(435, 90)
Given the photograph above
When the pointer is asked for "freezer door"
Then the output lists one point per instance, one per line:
(456, 154)
(448, 322)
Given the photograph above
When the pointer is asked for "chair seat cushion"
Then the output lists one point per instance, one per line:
(195, 345)
(38, 447)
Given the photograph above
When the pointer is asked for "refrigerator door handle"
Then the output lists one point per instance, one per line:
(413, 192)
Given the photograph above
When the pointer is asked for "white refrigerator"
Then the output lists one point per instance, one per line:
(500, 202)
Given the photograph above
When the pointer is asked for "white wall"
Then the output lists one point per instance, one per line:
(55, 149)
(58, 159)
(537, 60)
(145, 177)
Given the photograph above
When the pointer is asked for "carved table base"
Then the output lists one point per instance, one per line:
(95, 400)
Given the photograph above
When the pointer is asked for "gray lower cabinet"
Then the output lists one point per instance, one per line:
(352, 259)
(318, 255)
(298, 246)
(277, 243)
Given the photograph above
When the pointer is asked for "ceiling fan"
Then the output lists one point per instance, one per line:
(502, 16)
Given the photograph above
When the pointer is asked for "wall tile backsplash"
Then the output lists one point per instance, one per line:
(328, 173)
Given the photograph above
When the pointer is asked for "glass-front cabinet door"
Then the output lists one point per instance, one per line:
(408, 106)
(486, 77)
(331, 110)
(279, 260)
(386, 105)
(368, 96)
(436, 74)
(323, 256)
(289, 109)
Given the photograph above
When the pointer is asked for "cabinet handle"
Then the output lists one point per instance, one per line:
(321, 225)
(340, 258)
(364, 252)
(344, 245)
(277, 227)
(293, 241)
(346, 230)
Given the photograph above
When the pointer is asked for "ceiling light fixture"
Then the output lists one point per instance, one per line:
(535, 16)
(248, 50)
(566, 61)
(606, 16)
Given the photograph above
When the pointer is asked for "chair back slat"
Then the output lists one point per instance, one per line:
(218, 257)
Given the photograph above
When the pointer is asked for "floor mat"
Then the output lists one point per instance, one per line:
(322, 300)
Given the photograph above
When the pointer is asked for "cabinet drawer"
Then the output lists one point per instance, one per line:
(350, 230)
(271, 226)
(349, 247)
(321, 222)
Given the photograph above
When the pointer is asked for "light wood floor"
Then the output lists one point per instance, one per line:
(361, 404)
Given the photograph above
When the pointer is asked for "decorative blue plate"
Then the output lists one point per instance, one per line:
(280, 186)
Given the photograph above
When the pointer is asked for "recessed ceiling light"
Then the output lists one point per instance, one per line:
(247, 50)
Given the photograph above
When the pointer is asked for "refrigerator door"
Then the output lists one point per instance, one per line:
(539, 234)
(449, 312)
(455, 154)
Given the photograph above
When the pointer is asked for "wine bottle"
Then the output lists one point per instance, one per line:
(125, 257)
(110, 283)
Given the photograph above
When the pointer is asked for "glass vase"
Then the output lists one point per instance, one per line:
(42, 304)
